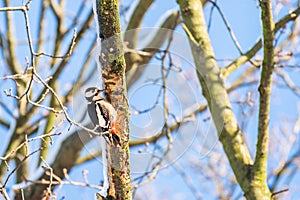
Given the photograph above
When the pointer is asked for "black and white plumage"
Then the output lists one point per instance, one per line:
(102, 114)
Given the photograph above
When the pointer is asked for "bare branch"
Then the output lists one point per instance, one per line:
(262, 146)
(72, 122)
(288, 81)
(188, 180)
(9, 154)
(136, 63)
(249, 54)
(4, 123)
(231, 33)
(3, 192)
(279, 192)
(68, 54)
(18, 166)
(56, 180)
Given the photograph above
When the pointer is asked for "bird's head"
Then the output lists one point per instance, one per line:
(93, 94)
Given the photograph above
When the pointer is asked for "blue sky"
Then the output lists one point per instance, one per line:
(244, 19)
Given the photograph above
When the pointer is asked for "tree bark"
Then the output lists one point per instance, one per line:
(213, 89)
(113, 72)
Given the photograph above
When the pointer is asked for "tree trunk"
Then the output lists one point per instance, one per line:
(113, 73)
(211, 79)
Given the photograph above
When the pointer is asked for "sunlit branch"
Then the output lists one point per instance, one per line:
(252, 52)
(262, 146)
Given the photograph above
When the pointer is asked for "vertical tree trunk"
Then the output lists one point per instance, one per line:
(248, 175)
(113, 73)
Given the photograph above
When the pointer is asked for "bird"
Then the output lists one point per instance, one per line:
(102, 114)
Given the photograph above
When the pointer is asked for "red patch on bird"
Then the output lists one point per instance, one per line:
(112, 129)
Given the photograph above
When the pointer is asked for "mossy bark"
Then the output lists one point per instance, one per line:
(212, 82)
(113, 72)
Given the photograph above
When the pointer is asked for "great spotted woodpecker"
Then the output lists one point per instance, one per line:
(102, 114)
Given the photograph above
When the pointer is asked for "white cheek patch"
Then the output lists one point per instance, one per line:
(88, 94)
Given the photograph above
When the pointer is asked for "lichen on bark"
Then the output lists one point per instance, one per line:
(113, 73)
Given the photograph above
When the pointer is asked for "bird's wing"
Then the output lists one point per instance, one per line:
(109, 111)
(102, 114)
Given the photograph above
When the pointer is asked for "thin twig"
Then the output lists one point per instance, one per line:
(188, 180)
(257, 46)
(68, 54)
(3, 192)
(231, 33)
(47, 167)
(24, 9)
(166, 129)
(20, 164)
(288, 81)
(58, 181)
(210, 17)
(8, 155)
(279, 192)
(64, 109)
(19, 8)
